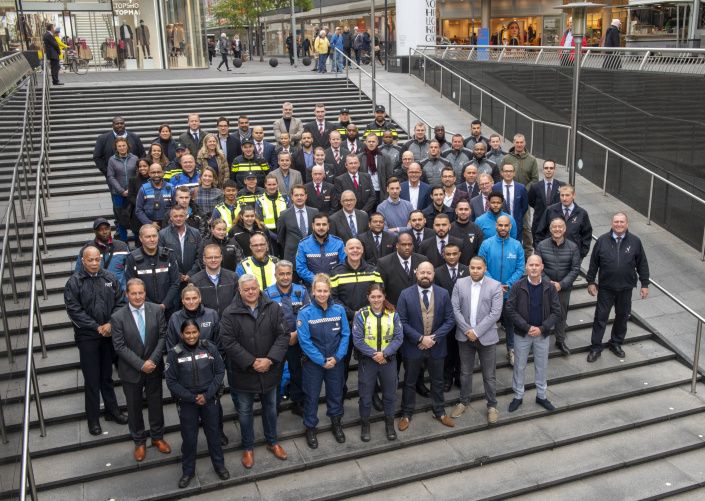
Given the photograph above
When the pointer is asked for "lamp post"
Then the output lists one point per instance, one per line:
(372, 54)
(294, 45)
(578, 10)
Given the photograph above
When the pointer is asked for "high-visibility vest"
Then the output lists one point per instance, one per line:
(272, 209)
(227, 215)
(264, 274)
(379, 331)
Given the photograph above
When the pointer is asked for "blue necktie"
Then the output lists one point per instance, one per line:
(426, 303)
(353, 228)
(140, 325)
(302, 223)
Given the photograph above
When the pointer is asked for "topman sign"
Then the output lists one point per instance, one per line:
(416, 24)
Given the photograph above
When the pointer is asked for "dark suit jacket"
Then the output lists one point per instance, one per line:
(339, 165)
(298, 162)
(521, 204)
(458, 196)
(187, 140)
(51, 47)
(409, 309)
(358, 145)
(329, 169)
(384, 170)
(366, 199)
(427, 233)
(471, 191)
(319, 139)
(537, 200)
(429, 249)
(477, 206)
(442, 277)
(269, 154)
(105, 148)
(288, 232)
(131, 353)
(327, 202)
(424, 194)
(233, 145)
(387, 246)
(578, 226)
(392, 273)
(340, 226)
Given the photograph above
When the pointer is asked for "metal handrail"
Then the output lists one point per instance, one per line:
(376, 83)
(600, 144)
(41, 192)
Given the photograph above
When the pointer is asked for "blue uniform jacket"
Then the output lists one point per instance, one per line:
(313, 257)
(505, 260)
(152, 203)
(488, 224)
(191, 371)
(323, 334)
(291, 302)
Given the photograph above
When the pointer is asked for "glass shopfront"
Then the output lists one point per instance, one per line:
(136, 45)
(184, 33)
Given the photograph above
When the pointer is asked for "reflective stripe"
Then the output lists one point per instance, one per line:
(324, 320)
(264, 274)
(271, 210)
(378, 341)
(149, 272)
(351, 278)
(225, 215)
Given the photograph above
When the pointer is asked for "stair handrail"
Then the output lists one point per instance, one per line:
(40, 210)
(608, 151)
(375, 83)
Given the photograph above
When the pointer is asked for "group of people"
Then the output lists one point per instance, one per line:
(253, 258)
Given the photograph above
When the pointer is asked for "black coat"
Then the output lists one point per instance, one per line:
(91, 300)
(618, 270)
(392, 273)
(470, 234)
(578, 226)
(327, 202)
(365, 193)
(429, 248)
(517, 307)
(217, 298)
(388, 242)
(537, 200)
(340, 226)
(51, 48)
(443, 279)
(245, 338)
(319, 139)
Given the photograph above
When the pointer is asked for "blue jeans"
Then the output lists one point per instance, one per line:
(337, 62)
(245, 402)
(322, 58)
(313, 377)
(118, 203)
(522, 346)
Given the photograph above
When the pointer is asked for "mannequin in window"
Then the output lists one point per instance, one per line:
(179, 38)
(143, 39)
(128, 36)
(170, 38)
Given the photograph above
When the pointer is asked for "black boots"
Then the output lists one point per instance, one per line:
(311, 438)
(365, 430)
(338, 429)
(389, 428)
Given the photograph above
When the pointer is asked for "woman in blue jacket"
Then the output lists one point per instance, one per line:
(324, 335)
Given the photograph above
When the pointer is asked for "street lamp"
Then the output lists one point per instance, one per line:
(578, 10)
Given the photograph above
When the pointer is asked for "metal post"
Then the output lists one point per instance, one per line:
(3, 433)
(347, 75)
(386, 36)
(482, 94)
(408, 121)
(293, 35)
(423, 61)
(604, 176)
(372, 55)
(30, 480)
(504, 122)
(40, 327)
(651, 198)
(37, 398)
(531, 143)
(6, 328)
(460, 93)
(359, 83)
(440, 87)
(702, 251)
(573, 154)
(696, 356)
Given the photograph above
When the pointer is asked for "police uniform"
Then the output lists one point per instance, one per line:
(268, 210)
(249, 198)
(372, 333)
(190, 371)
(160, 274)
(322, 334)
(263, 271)
(291, 302)
(153, 204)
(243, 166)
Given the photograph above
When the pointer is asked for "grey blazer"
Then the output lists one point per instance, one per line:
(131, 353)
(296, 128)
(489, 309)
(294, 179)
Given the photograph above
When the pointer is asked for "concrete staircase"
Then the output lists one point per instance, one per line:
(623, 429)
(94, 27)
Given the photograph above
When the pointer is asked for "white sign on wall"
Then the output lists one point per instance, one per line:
(416, 24)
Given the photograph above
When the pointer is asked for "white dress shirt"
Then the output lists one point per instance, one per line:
(474, 301)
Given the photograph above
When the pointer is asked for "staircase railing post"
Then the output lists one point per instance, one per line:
(696, 357)
(604, 175)
(651, 198)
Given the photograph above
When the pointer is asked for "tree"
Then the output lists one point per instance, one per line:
(241, 13)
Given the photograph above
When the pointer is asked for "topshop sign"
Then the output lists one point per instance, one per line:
(416, 24)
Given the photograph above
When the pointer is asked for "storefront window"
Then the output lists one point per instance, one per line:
(10, 39)
(516, 31)
(184, 33)
(135, 42)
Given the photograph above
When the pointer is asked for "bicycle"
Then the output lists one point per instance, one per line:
(74, 64)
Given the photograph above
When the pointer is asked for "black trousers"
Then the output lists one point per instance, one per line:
(210, 416)
(152, 386)
(54, 63)
(412, 367)
(606, 299)
(224, 55)
(96, 358)
(451, 368)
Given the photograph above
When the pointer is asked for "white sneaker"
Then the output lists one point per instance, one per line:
(492, 415)
(458, 410)
(510, 357)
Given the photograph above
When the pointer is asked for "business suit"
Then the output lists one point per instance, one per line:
(429, 248)
(340, 224)
(233, 148)
(388, 241)
(477, 205)
(289, 233)
(424, 194)
(340, 164)
(294, 179)
(409, 308)
(104, 148)
(458, 195)
(132, 354)
(296, 128)
(393, 275)
(189, 260)
(521, 204)
(187, 140)
(442, 278)
(298, 163)
(578, 226)
(326, 202)
(268, 153)
(328, 169)
(319, 139)
(426, 233)
(471, 190)
(489, 309)
(538, 201)
(384, 171)
(353, 147)
(366, 198)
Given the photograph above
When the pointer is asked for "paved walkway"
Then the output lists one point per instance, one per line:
(674, 264)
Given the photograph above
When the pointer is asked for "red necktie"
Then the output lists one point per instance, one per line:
(318, 189)
(336, 154)
(487, 203)
(355, 181)
(320, 128)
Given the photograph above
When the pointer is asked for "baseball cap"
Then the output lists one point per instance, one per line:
(379, 107)
(181, 146)
(247, 141)
(250, 174)
(98, 221)
(344, 111)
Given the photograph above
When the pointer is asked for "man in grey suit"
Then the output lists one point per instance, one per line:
(348, 222)
(286, 177)
(288, 123)
(477, 306)
(139, 338)
(295, 223)
(480, 203)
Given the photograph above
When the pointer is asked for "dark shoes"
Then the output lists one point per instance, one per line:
(338, 432)
(545, 403)
(224, 440)
(223, 474)
(389, 428)
(617, 350)
(95, 429)
(515, 404)
(119, 417)
(365, 430)
(447, 385)
(377, 402)
(563, 348)
(185, 480)
(311, 438)
(423, 390)
(593, 356)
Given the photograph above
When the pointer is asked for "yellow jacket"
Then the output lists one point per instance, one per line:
(321, 45)
(62, 46)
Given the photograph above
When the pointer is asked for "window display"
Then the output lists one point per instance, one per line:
(136, 47)
(184, 33)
